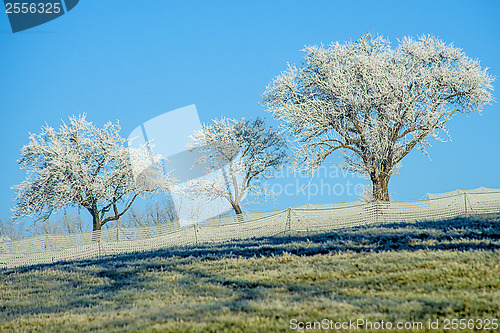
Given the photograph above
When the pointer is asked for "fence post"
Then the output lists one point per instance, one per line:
(195, 234)
(288, 221)
(465, 205)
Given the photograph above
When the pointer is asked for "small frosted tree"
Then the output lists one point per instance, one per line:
(85, 166)
(247, 151)
(374, 103)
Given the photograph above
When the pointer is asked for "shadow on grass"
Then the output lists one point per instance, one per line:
(456, 234)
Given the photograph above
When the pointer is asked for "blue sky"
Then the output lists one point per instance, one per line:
(135, 60)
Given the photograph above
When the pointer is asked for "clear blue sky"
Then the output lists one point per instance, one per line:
(134, 60)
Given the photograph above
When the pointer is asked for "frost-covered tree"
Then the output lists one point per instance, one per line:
(248, 152)
(85, 166)
(374, 103)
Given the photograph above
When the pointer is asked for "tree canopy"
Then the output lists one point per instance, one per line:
(374, 103)
(242, 154)
(86, 166)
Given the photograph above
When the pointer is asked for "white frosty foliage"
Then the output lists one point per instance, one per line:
(147, 169)
(374, 103)
(86, 166)
(240, 155)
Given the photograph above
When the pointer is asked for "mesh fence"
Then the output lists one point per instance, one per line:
(305, 218)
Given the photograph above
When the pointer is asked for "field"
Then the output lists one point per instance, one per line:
(398, 273)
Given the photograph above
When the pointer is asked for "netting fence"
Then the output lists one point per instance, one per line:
(308, 218)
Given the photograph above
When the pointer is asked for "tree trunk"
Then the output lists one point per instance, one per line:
(96, 226)
(381, 188)
(237, 210)
(96, 223)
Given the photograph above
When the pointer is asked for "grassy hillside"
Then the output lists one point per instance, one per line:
(398, 273)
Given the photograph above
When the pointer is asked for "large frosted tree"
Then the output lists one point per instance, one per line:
(85, 166)
(374, 103)
(238, 155)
